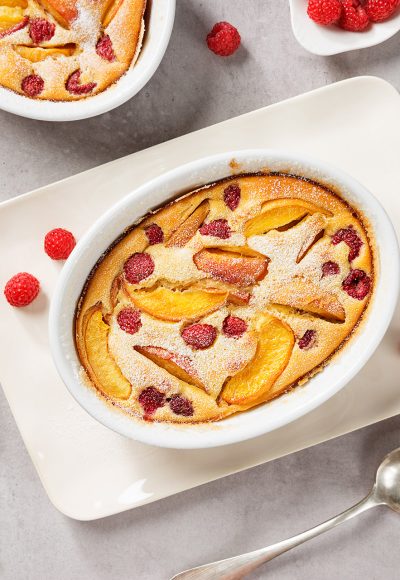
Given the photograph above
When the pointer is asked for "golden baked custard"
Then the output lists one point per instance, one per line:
(65, 50)
(224, 298)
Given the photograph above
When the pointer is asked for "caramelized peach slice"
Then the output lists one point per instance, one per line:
(110, 10)
(308, 297)
(279, 213)
(178, 365)
(231, 267)
(37, 54)
(175, 306)
(276, 341)
(189, 227)
(64, 11)
(105, 372)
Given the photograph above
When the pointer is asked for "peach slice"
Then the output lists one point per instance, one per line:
(64, 11)
(231, 267)
(308, 297)
(275, 345)
(104, 371)
(235, 295)
(178, 365)
(13, 3)
(175, 306)
(279, 213)
(310, 240)
(37, 54)
(110, 10)
(189, 227)
(10, 16)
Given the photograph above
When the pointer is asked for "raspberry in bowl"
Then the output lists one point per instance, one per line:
(64, 60)
(193, 339)
(322, 31)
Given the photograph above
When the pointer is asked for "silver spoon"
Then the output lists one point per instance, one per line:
(386, 491)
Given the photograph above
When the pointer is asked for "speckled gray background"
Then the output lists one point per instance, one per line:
(193, 89)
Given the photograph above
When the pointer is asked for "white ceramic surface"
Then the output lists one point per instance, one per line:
(266, 417)
(156, 38)
(87, 470)
(328, 40)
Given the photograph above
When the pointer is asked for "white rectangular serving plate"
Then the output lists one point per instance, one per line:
(90, 472)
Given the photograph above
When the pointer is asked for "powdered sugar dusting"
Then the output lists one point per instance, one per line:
(294, 290)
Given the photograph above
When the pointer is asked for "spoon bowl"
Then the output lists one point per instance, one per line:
(387, 487)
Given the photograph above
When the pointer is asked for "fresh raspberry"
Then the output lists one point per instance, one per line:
(357, 284)
(21, 289)
(15, 28)
(41, 29)
(330, 269)
(217, 229)
(233, 326)
(224, 39)
(350, 237)
(104, 48)
(324, 12)
(59, 243)
(181, 406)
(308, 339)
(138, 267)
(32, 85)
(354, 16)
(379, 10)
(232, 196)
(154, 234)
(129, 320)
(199, 336)
(151, 399)
(72, 85)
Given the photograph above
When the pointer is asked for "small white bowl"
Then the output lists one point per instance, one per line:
(156, 38)
(271, 415)
(328, 40)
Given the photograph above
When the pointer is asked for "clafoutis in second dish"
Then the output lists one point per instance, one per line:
(224, 299)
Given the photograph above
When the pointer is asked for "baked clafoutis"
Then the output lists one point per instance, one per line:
(224, 299)
(65, 50)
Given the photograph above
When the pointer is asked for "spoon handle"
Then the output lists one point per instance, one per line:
(238, 566)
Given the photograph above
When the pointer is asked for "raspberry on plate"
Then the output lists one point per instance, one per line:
(21, 289)
(324, 12)
(380, 10)
(354, 16)
(224, 39)
(59, 243)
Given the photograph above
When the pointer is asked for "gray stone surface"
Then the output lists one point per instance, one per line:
(193, 89)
